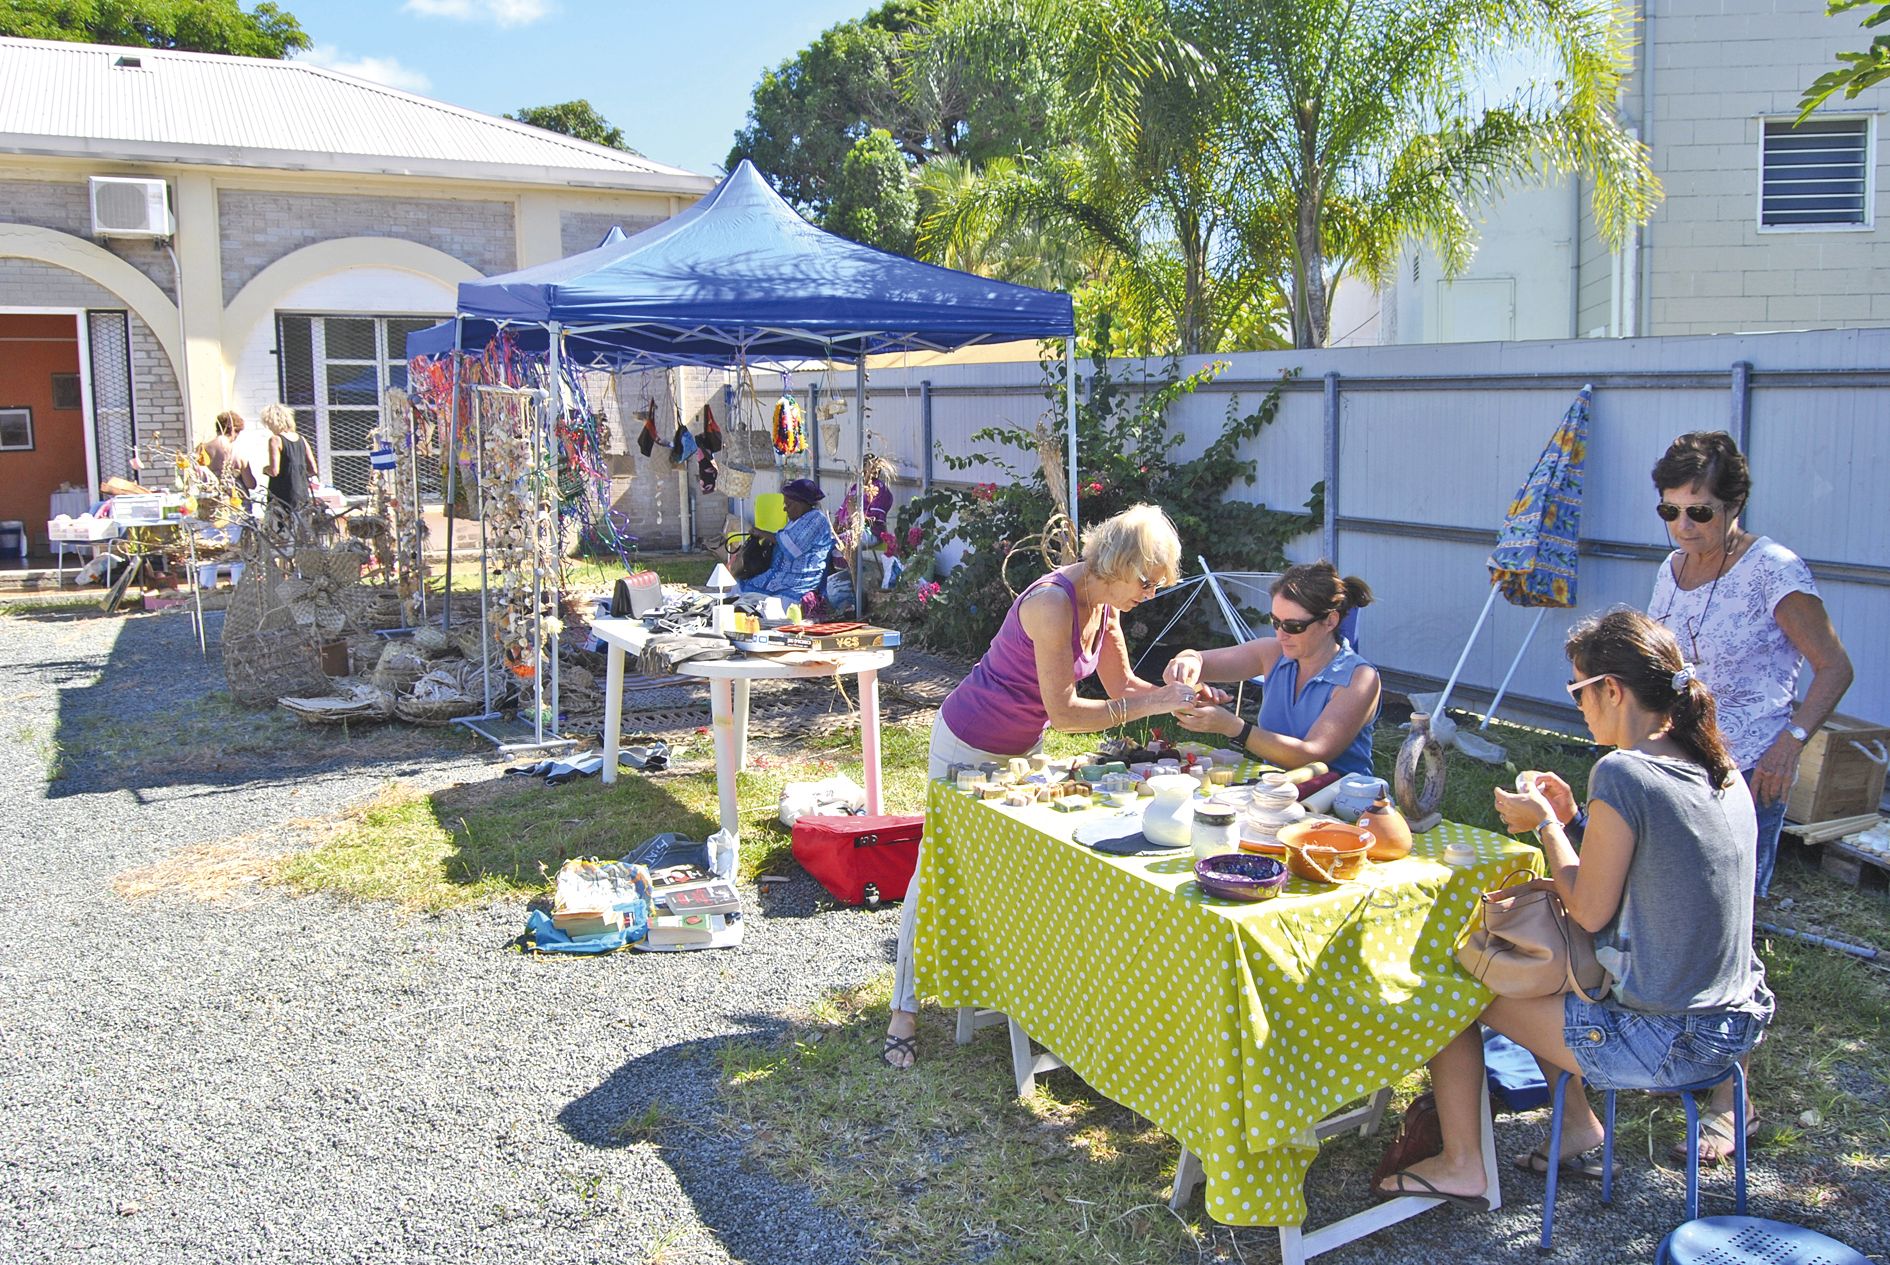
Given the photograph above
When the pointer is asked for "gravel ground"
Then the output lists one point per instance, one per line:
(284, 1079)
(292, 1079)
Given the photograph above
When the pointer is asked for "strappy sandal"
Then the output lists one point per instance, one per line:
(1716, 1138)
(1470, 1203)
(899, 1045)
(1586, 1164)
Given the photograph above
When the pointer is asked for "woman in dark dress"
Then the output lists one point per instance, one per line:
(290, 462)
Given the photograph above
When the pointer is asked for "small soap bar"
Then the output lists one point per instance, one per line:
(1039, 762)
(1221, 776)
(991, 790)
(1019, 799)
(1020, 768)
(1072, 803)
(1097, 772)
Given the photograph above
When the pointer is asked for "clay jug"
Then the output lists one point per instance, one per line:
(1169, 820)
(1391, 833)
(1418, 782)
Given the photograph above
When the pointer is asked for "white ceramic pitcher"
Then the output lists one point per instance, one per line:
(1169, 821)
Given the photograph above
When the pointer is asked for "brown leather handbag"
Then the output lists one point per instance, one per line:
(1523, 944)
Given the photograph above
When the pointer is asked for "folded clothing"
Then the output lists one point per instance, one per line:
(662, 654)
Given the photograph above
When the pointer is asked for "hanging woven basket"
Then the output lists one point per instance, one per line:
(737, 482)
(830, 437)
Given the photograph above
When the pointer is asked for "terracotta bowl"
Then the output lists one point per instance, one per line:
(1326, 851)
(1237, 876)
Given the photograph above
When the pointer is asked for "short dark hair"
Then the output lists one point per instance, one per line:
(1319, 588)
(1709, 458)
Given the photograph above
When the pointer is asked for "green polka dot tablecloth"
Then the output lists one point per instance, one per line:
(1234, 1027)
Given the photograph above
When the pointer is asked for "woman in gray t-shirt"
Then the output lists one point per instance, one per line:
(1663, 880)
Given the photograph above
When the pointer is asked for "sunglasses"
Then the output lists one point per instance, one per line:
(1293, 627)
(1669, 512)
(1148, 585)
(1575, 688)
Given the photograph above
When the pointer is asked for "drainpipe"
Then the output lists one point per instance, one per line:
(1642, 315)
(1575, 256)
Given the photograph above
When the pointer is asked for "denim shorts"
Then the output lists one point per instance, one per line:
(1626, 1049)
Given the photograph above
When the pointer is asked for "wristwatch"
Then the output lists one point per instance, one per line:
(1798, 732)
(1246, 732)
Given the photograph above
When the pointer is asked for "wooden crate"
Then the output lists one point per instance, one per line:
(1838, 775)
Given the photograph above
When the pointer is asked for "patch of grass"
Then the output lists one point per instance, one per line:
(45, 748)
(506, 838)
(597, 575)
(941, 1161)
(27, 605)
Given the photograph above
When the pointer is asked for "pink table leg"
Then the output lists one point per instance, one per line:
(869, 737)
(722, 722)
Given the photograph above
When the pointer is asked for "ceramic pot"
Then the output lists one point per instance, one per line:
(1326, 851)
(1271, 805)
(1357, 793)
(1419, 779)
(1169, 820)
(1391, 832)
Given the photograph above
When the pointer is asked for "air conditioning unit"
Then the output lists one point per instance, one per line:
(125, 207)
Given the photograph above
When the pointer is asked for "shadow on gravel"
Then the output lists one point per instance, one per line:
(156, 716)
(667, 1099)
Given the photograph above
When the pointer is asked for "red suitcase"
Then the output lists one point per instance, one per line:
(847, 854)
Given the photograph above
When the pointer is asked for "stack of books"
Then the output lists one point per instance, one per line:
(694, 913)
(578, 923)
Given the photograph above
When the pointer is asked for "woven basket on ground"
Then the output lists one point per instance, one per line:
(448, 691)
(353, 700)
(398, 668)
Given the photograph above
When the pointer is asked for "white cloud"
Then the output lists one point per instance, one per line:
(500, 12)
(377, 69)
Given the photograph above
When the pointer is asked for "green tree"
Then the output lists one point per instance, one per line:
(873, 200)
(197, 26)
(1861, 70)
(1133, 166)
(1363, 125)
(578, 119)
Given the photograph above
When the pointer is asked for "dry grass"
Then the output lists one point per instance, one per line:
(208, 872)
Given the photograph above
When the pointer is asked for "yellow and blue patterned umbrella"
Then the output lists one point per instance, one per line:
(1535, 556)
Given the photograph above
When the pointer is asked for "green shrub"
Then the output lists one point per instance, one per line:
(1126, 454)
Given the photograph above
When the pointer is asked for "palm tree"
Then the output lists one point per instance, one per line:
(1135, 172)
(1363, 126)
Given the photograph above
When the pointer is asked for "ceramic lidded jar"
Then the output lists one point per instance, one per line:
(1357, 792)
(1169, 819)
(1271, 805)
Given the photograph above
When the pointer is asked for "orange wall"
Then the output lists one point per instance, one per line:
(32, 349)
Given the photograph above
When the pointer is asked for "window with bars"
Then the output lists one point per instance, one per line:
(334, 371)
(1815, 174)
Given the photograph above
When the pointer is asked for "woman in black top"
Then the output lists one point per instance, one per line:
(290, 461)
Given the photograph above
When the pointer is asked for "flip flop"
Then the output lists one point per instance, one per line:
(1471, 1203)
(899, 1045)
(1585, 1165)
(1716, 1138)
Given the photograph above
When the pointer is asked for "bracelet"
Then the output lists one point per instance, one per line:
(1246, 732)
(1118, 711)
(1544, 824)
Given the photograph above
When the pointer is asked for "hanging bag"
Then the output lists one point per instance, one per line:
(711, 433)
(1523, 944)
(646, 438)
(684, 447)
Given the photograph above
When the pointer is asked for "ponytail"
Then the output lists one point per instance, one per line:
(1318, 587)
(1644, 657)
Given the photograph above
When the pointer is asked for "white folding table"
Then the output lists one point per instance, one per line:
(729, 681)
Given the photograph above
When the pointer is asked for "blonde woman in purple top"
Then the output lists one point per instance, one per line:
(1062, 629)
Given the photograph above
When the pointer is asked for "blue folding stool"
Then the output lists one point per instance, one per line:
(1686, 1093)
(1752, 1241)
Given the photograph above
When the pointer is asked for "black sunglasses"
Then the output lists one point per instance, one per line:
(1669, 512)
(1294, 627)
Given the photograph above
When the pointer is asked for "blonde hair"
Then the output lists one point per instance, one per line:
(278, 419)
(1138, 544)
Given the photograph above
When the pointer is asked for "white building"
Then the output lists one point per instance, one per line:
(183, 233)
(1764, 226)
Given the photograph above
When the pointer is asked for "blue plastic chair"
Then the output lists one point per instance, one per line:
(1752, 1241)
(1686, 1092)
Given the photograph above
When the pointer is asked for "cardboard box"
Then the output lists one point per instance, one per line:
(1841, 771)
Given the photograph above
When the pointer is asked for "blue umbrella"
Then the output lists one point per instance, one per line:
(1534, 561)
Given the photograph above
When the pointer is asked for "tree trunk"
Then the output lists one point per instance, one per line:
(1193, 287)
(1311, 324)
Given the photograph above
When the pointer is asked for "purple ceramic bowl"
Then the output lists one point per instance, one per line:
(1240, 876)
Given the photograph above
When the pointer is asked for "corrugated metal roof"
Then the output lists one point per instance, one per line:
(88, 99)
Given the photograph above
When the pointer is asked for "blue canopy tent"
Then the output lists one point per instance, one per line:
(741, 278)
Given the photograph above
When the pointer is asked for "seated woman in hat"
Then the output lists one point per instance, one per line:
(801, 548)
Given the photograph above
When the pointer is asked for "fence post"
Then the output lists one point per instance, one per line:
(925, 435)
(1330, 531)
(1742, 419)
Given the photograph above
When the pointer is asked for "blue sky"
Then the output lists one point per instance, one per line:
(677, 77)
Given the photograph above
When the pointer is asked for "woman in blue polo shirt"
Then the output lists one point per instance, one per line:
(1321, 696)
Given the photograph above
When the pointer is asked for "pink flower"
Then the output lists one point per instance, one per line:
(984, 491)
(914, 536)
(1094, 488)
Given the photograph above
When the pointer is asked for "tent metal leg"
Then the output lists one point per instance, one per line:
(1457, 671)
(1513, 665)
